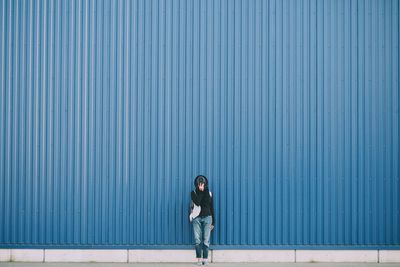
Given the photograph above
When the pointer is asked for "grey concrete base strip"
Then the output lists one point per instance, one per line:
(5, 255)
(230, 264)
(188, 256)
(253, 256)
(71, 255)
(27, 255)
(336, 256)
(389, 256)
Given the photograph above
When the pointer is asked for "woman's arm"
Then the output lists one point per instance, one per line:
(197, 197)
(212, 211)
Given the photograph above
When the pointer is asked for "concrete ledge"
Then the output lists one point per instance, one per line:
(388, 256)
(163, 256)
(253, 256)
(336, 256)
(85, 255)
(143, 255)
(5, 254)
(27, 255)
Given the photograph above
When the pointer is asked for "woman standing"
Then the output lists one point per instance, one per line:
(204, 223)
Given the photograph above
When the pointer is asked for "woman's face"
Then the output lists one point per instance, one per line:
(201, 186)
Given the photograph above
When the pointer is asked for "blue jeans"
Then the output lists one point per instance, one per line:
(202, 231)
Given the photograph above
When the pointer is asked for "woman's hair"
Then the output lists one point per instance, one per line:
(201, 179)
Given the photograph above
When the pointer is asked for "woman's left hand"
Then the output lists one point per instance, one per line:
(212, 227)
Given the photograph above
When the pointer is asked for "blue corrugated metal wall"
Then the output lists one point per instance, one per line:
(108, 109)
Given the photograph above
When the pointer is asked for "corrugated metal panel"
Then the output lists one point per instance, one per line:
(110, 108)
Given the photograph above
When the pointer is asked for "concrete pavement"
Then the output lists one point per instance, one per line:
(30, 264)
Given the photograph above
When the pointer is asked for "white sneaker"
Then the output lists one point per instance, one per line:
(205, 262)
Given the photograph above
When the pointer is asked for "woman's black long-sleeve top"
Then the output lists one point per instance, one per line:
(205, 201)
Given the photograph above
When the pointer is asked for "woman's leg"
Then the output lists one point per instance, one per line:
(206, 235)
(197, 236)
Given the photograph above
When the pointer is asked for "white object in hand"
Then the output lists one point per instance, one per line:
(195, 212)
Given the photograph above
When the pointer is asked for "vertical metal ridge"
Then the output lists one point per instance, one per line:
(3, 111)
